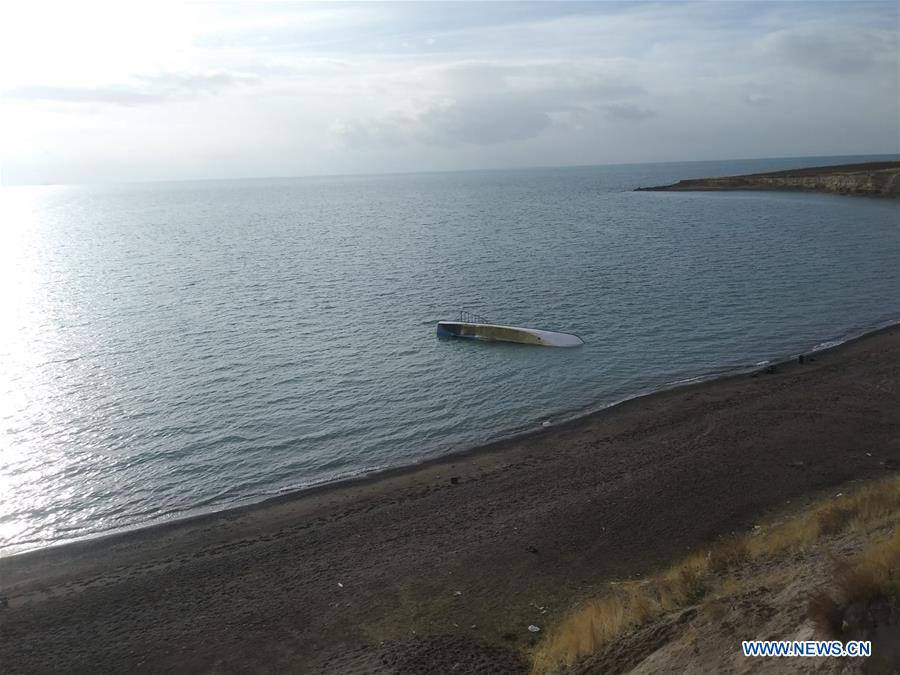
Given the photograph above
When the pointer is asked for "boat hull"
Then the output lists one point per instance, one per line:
(497, 333)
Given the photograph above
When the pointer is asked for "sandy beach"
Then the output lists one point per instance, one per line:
(446, 564)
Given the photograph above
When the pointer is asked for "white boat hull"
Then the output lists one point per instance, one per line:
(498, 333)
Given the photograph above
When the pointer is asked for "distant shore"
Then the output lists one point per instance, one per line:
(870, 179)
(451, 561)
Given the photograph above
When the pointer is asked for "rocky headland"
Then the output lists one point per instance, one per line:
(869, 179)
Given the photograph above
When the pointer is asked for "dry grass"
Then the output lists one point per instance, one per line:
(874, 575)
(624, 608)
(880, 564)
(627, 606)
(869, 508)
(594, 624)
(682, 584)
(728, 554)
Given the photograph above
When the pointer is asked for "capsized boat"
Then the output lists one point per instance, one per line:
(475, 327)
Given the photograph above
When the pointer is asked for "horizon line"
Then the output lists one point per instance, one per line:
(433, 171)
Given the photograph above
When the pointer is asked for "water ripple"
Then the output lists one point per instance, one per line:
(197, 345)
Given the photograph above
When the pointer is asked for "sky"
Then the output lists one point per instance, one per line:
(134, 91)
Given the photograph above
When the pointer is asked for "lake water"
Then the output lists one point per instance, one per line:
(168, 348)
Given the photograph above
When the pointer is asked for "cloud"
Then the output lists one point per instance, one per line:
(437, 85)
(367, 28)
(565, 79)
(477, 120)
(757, 99)
(482, 103)
(484, 120)
(626, 111)
(193, 83)
(147, 89)
(829, 50)
(473, 120)
(391, 130)
(115, 96)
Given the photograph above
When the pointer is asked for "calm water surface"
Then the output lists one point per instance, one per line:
(172, 347)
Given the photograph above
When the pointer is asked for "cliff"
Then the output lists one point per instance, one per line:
(871, 179)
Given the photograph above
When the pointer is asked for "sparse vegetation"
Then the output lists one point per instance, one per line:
(710, 573)
(880, 565)
(870, 508)
(872, 577)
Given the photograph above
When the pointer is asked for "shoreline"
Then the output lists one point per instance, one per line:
(461, 554)
(290, 494)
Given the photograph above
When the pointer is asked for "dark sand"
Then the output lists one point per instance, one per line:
(432, 574)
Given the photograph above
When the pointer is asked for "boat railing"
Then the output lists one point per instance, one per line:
(470, 317)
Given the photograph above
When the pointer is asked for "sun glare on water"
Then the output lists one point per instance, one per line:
(23, 353)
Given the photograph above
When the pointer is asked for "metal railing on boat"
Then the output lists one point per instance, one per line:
(470, 317)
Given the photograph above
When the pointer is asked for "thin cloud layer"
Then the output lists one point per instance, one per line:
(112, 95)
(481, 120)
(296, 89)
(486, 104)
(626, 111)
(147, 89)
(833, 50)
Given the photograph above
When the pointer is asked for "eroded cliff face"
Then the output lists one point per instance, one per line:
(877, 183)
(872, 180)
(873, 183)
